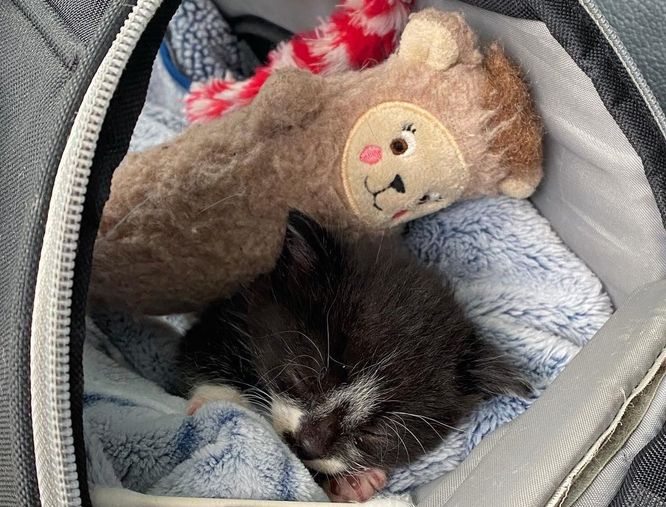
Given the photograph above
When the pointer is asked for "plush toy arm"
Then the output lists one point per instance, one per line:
(188, 221)
(518, 140)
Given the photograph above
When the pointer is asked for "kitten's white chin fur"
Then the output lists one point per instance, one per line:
(328, 465)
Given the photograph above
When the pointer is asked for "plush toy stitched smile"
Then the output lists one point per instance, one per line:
(195, 218)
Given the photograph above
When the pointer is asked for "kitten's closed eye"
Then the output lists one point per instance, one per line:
(372, 437)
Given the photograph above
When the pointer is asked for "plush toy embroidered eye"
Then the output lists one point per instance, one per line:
(394, 172)
(406, 143)
(399, 146)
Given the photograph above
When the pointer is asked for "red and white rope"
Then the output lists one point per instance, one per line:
(357, 34)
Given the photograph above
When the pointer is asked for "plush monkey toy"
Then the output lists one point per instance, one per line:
(440, 120)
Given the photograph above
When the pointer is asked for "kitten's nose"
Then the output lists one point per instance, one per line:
(397, 184)
(315, 437)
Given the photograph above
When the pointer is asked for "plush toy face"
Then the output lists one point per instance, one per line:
(401, 163)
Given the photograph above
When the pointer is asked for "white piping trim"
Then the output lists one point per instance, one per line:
(113, 497)
(563, 490)
(49, 343)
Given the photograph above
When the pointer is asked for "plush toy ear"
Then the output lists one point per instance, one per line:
(428, 40)
(289, 98)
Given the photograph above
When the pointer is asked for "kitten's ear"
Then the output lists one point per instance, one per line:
(308, 248)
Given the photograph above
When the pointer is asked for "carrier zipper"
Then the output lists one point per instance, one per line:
(49, 348)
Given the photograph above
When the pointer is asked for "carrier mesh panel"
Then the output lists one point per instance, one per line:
(44, 73)
(645, 483)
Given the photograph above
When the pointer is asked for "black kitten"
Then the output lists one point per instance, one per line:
(359, 354)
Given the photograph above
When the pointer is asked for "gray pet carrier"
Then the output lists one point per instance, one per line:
(73, 80)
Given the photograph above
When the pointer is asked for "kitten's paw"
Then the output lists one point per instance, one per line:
(194, 404)
(359, 487)
(211, 392)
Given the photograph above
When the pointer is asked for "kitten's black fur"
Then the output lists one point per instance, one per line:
(368, 344)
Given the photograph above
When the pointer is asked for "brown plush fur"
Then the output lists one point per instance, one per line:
(518, 140)
(195, 218)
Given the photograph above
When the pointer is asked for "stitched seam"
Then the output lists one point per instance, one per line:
(627, 62)
(68, 63)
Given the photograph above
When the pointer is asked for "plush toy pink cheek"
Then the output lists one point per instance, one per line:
(371, 154)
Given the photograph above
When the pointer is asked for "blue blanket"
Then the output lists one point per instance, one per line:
(521, 286)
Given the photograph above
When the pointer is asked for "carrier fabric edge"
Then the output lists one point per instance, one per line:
(72, 49)
(42, 86)
(64, 247)
(57, 330)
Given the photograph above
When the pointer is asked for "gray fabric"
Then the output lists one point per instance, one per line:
(289, 14)
(525, 463)
(22, 189)
(606, 484)
(73, 12)
(611, 444)
(640, 24)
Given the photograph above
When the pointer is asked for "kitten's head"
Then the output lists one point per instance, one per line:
(368, 360)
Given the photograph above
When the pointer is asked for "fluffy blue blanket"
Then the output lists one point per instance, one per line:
(521, 286)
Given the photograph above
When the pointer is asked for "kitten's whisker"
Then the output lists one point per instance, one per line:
(236, 328)
(284, 367)
(304, 336)
(328, 333)
(402, 423)
(314, 370)
(379, 248)
(395, 430)
(430, 419)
